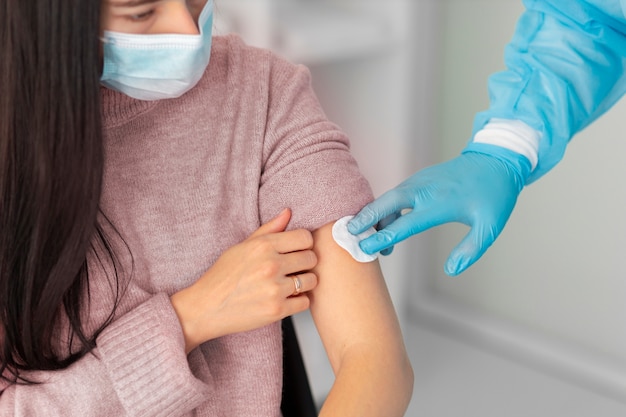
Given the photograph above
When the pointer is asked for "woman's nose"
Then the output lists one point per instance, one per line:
(176, 18)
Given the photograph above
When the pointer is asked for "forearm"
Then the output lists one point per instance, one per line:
(562, 72)
(367, 386)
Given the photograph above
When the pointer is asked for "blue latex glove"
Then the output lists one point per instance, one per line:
(479, 188)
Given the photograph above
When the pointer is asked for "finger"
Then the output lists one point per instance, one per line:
(297, 284)
(276, 225)
(393, 201)
(403, 227)
(384, 223)
(470, 249)
(296, 304)
(294, 262)
(291, 241)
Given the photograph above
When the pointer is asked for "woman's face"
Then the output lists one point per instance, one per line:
(151, 16)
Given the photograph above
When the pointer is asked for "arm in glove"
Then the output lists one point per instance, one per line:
(478, 188)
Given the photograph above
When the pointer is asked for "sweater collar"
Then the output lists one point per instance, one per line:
(118, 108)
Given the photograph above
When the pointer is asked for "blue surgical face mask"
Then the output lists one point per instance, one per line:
(154, 67)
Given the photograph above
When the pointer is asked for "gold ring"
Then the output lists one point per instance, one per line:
(297, 284)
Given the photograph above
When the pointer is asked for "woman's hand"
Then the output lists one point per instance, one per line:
(251, 285)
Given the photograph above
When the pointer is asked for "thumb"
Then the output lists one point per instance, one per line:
(275, 225)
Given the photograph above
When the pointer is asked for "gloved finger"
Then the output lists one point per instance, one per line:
(393, 201)
(470, 249)
(384, 223)
(403, 227)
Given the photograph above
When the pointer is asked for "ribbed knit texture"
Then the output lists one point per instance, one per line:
(186, 179)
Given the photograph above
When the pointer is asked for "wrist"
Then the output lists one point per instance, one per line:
(518, 164)
(185, 315)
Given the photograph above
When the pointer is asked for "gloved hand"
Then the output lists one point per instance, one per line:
(479, 188)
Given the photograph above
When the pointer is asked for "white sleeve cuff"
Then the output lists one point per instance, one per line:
(514, 135)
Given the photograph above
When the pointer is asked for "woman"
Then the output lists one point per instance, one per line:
(147, 258)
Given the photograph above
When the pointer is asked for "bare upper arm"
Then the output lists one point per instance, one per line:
(351, 306)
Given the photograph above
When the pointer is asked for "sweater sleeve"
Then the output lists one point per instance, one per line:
(307, 162)
(565, 68)
(139, 368)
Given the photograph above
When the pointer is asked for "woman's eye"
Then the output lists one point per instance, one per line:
(138, 17)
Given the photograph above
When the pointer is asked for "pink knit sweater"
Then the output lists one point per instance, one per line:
(186, 179)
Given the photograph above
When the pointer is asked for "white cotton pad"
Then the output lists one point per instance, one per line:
(350, 242)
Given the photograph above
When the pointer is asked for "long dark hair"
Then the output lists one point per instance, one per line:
(51, 164)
